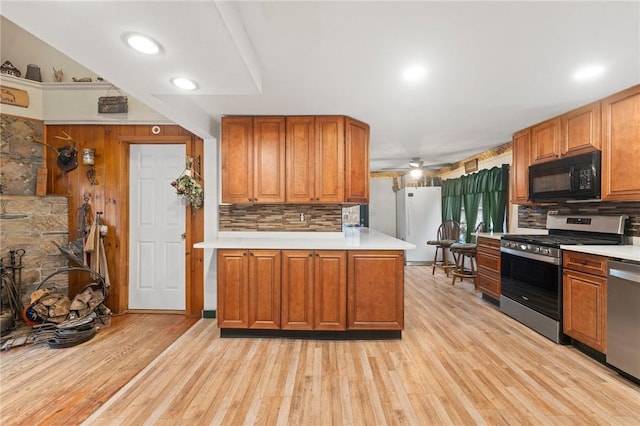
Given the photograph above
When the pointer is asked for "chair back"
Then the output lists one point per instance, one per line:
(479, 228)
(449, 230)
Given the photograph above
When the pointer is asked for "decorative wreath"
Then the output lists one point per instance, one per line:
(189, 188)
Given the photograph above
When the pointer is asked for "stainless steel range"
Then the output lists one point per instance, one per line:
(531, 271)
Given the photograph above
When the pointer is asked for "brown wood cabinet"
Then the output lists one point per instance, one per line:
(580, 130)
(233, 289)
(356, 161)
(264, 288)
(253, 160)
(520, 166)
(249, 289)
(488, 261)
(295, 159)
(585, 299)
(314, 290)
(375, 290)
(545, 141)
(329, 159)
(621, 146)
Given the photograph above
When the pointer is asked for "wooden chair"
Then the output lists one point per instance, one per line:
(465, 252)
(448, 233)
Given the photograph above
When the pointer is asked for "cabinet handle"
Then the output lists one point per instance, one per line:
(311, 199)
(584, 262)
(249, 199)
(317, 199)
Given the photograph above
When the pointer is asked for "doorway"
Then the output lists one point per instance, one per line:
(156, 228)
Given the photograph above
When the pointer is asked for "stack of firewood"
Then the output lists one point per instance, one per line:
(52, 306)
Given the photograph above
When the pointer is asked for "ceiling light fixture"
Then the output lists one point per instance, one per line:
(184, 83)
(142, 43)
(414, 73)
(588, 73)
(415, 173)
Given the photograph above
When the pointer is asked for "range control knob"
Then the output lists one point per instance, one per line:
(545, 251)
(536, 249)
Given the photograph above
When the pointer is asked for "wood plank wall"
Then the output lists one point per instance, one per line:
(111, 196)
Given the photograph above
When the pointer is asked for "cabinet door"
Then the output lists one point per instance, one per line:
(297, 289)
(300, 155)
(581, 130)
(520, 166)
(264, 289)
(233, 290)
(585, 308)
(329, 159)
(375, 290)
(330, 306)
(356, 161)
(237, 159)
(621, 146)
(545, 141)
(268, 159)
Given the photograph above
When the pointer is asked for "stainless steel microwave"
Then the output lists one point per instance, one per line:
(570, 178)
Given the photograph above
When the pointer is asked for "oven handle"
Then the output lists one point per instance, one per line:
(533, 256)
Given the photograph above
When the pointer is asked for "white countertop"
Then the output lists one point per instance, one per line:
(493, 235)
(354, 239)
(628, 252)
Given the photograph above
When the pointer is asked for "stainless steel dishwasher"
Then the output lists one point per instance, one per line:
(623, 317)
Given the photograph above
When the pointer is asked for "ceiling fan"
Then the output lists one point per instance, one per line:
(416, 167)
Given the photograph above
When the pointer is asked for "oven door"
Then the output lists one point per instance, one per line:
(533, 280)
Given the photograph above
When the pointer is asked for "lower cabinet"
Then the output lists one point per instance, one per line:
(585, 299)
(323, 290)
(375, 290)
(314, 290)
(249, 289)
(488, 261)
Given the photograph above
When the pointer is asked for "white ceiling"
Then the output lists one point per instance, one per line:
(492, 67)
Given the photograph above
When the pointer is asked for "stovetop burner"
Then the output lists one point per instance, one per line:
(557, 240)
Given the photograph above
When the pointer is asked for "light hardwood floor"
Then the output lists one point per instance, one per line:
(460, 361)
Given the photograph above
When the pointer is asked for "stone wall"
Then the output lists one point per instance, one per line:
(20, 156)
(33, 223)
(280, 217)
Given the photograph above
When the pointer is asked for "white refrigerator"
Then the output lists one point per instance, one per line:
(418, 216)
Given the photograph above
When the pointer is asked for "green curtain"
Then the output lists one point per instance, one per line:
(451, 199)
(471, 193)
(494, 198)
(488, 185)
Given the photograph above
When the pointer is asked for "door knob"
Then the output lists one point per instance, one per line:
(184, 236)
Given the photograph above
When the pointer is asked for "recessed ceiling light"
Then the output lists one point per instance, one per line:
(589, 72)
(414, 73)
(142, 43)
(184, 83)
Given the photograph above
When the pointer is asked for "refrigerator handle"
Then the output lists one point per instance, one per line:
(407, 216)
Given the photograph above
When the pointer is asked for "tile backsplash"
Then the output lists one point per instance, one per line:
(280, 217)
(536, 216)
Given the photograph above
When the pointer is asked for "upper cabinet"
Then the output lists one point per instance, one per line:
(545, 141)
(611, 125)
(580, 130)
(356, 161)
(520, 166)
(253, 159)
(295, 159)
(621, 146)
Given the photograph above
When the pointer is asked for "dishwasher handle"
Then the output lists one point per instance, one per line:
(625, 275)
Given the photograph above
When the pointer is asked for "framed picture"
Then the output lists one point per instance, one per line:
(471, 166)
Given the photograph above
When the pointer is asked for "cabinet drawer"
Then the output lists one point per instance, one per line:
(488, 283)
(489, 244)
(587, 263)
(489, 261)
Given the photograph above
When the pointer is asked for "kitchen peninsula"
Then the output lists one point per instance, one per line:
(310, 283)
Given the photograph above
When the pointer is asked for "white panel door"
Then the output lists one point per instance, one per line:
(156, 225)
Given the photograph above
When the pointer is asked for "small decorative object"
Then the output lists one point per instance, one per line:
(471, 166)
(82, 80)
(58, 75)
(188, 187)
(8, 68)
(13, 96)
(88, 156)
(33, 73)
(113, 104)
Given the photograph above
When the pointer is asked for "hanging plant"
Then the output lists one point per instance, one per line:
(189, 188)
